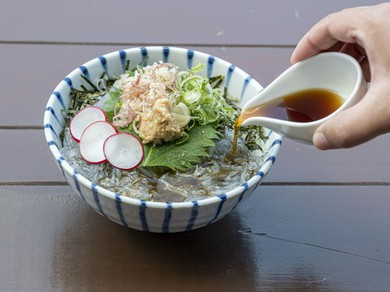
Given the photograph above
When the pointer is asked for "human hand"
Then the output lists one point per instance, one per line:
(364, 33)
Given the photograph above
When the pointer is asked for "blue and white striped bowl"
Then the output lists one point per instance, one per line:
(145, 215)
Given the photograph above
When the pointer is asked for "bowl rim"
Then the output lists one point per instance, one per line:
(273, 149)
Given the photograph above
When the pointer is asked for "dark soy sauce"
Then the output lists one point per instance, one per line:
(301, 106)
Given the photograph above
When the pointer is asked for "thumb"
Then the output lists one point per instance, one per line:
(356, 125)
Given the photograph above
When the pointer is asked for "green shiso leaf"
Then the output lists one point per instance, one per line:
(112, 102)
(182, 156)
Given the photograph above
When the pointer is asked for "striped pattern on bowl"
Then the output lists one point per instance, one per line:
(144, 215)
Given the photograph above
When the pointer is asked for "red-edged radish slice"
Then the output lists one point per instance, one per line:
(124, 151)
(83, 119)
(92, 141)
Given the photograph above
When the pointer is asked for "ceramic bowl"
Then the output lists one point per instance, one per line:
(142, 215)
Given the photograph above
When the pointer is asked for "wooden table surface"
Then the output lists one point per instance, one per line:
(319, 222)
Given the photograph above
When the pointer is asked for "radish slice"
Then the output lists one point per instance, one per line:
(124, 151)
(83, 119)
(92, 141)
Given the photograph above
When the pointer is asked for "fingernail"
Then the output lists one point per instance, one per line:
(320, 141)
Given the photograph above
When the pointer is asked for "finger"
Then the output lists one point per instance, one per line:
(328, 32)
(316, 40)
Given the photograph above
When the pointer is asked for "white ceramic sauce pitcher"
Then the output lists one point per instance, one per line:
(333, 71)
